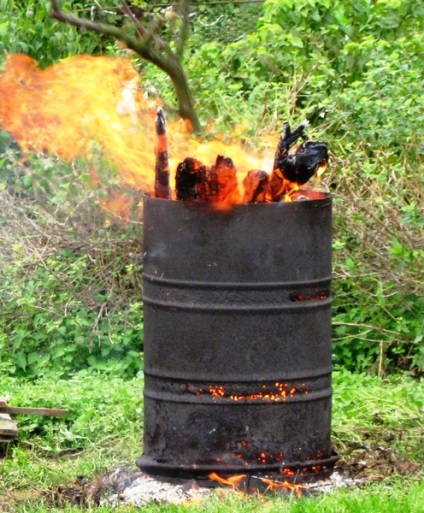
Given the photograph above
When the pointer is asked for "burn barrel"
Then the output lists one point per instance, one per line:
(237, 338)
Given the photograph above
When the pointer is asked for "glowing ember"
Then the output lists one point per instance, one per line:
(313, 297)
(276, 392)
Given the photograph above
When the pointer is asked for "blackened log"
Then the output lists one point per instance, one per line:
(216, 184)
(207, 188)
(301, 166)
(162, 188)
(295, 167)
(255, 184)
(278, 185)
(187, 179)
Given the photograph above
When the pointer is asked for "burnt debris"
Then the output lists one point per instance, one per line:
(294, 168)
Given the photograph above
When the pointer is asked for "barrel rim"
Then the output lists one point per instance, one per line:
(305, 468)
(205, 206)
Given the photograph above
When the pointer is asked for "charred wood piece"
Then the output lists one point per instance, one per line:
(255, 185)
(224, 182)
(187, 179)
(287, 140)
(301, 166)
(216, 184)
(207, 187)
(292, 169)
(162, 188)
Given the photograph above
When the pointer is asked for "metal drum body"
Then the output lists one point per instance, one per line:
(237, 338)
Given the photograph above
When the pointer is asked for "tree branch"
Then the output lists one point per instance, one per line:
(150, 46)
(138, 45)
(139, 27)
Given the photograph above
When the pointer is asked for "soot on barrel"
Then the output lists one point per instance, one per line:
(237, 338)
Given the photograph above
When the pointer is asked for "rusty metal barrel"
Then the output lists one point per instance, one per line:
(237, 338)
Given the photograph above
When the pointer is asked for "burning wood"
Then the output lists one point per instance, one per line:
(226, 172)
(291, 169)
(255, 185)
(217, 184)
(162, 189)
(187, 179)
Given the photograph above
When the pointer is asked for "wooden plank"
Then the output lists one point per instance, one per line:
(8, 427)
(20, 410)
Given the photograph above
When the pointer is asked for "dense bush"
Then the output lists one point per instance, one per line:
(355, 70)
(71, 294)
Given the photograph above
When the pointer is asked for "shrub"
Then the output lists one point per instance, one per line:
(71, 293)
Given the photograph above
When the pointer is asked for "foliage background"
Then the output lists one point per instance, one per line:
(70, 275)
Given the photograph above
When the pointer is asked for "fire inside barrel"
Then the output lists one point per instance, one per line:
(217, 184)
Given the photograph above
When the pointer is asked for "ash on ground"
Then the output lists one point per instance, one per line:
(360, 465)
(144, 489)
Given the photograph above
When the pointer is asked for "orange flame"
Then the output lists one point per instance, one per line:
(233, 481)
(273, 486)
(64, 108)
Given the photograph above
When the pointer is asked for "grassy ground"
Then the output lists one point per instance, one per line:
(379, 422)
(393, 498)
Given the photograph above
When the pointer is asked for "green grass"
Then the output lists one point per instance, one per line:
(104, 429)
(388, 411)
(396, 497)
